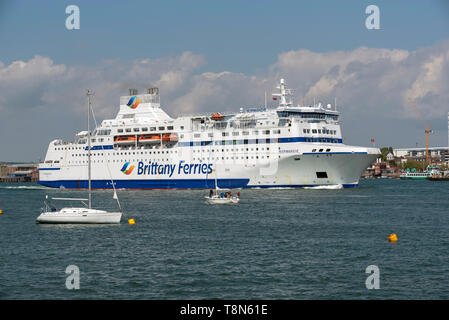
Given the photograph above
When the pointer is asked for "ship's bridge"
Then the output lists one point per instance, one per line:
(311, 112)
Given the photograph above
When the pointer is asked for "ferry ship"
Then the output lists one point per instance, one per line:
(431, 171)
(145, 148)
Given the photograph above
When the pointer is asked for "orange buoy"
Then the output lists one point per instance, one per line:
(393, 237)
(131, 221)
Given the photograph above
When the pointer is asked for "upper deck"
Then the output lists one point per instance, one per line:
(141, 123)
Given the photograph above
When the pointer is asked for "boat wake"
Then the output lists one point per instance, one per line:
(26, 187)
(328, 187)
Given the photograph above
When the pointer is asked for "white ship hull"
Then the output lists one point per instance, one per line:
(292, 170)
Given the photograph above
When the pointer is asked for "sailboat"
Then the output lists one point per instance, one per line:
(222, 198)
(84, 214)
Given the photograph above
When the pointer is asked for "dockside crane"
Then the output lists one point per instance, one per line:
(427, 129)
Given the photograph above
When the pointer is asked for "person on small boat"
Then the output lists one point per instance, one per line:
(211, 193)
(238, 194)
(221, 195)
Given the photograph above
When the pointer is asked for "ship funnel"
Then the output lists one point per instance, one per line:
(153, 90)
(132, 92)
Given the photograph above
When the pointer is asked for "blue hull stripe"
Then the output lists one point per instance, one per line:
(148, 184)
(43, 169)
(240, 141)
(167, 184)
(258, 141)
(346, 185)
(318, 153)
(101, 147)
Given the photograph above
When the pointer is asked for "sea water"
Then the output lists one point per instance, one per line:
(275, 244)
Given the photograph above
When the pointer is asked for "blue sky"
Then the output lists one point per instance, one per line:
(240, 36)
(214, 55)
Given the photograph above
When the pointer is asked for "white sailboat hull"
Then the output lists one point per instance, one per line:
(218, 200)
(79, 215)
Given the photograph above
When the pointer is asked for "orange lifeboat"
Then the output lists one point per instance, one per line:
(125, 139)
(150, 138)
(170, 137)
(217, 116)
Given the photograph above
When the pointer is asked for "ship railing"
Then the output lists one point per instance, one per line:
(242, 110)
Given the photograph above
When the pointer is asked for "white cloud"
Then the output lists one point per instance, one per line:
(23, 84)
(369, 83)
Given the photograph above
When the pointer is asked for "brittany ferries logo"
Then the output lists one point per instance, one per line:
(182, 168)
(127, 170)
(133, 102)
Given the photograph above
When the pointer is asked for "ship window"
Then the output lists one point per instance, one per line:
(267, 131)
(276, 131)
(153, 129)
(327, 150)
(128, 129)
(136, 130)
(144, 129)
(119, 130)
(182, 127)
(161, 128)
(321, 175)
(245, 133)
(170, 128)
(235, 133)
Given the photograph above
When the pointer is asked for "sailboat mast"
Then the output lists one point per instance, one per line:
(89, 93)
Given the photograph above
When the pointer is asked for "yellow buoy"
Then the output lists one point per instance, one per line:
(131, 221)
(1, 211)
(393, 237)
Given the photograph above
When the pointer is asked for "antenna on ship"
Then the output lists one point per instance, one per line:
(265, 99)
(283, 95)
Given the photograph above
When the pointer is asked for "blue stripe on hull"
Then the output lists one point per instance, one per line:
(347, 185)
(148, 184)
(167, 184)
